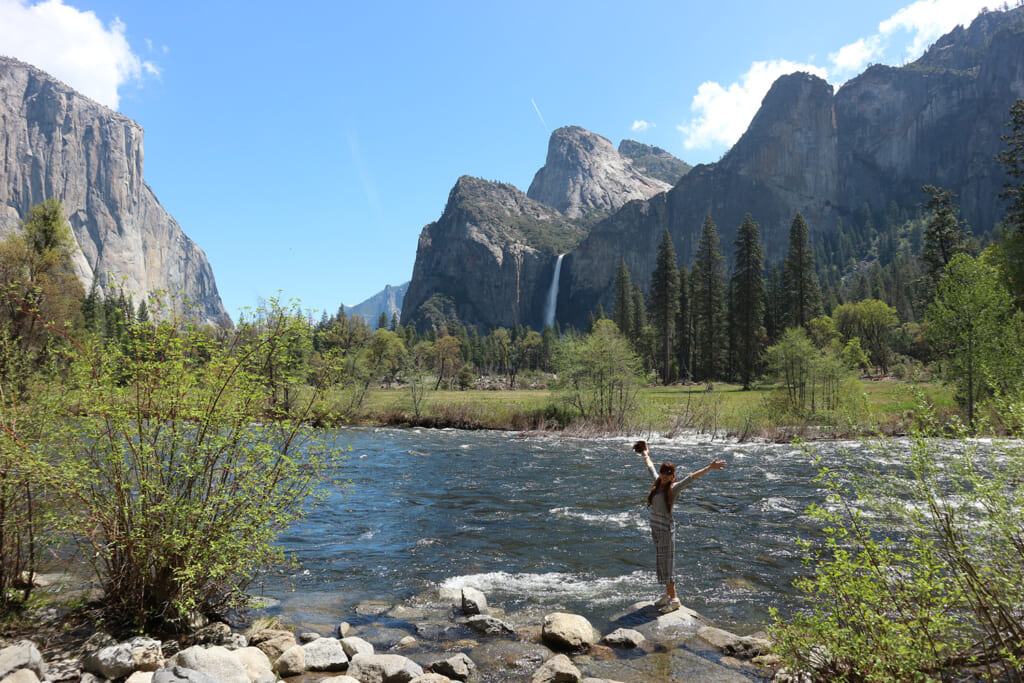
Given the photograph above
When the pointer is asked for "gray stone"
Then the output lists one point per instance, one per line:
(22, 655)
(21, 676)
(340, 679)
(459, 667)
(431, 678)
(353, 645)
(216, 661)
(56, 142)
(64, 670)
(473, 601)
(325, 654)
(558, 669)
(489, 626)
(732, 644)
(307, 637)
(292, 662)
(572, 632)
(140, 677)
(343, 629)
(256, 663)
(624, 638)
(273, 641)
(384, 669)
(112, 661)
(181, 674)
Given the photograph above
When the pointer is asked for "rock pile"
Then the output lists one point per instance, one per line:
(469, 641)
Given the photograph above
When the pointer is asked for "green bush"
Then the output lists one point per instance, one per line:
(180, 468)
(921, 571)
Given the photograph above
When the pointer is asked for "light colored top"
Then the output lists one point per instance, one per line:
(660, 514)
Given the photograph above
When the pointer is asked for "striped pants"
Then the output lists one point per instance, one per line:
(665, 549)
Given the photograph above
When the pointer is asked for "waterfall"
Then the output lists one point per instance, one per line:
(552, 303)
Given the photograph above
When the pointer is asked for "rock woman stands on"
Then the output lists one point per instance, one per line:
(660, 500)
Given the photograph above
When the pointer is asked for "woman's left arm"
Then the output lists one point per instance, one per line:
(715, 464)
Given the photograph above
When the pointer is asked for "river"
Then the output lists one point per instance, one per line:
(545, 523)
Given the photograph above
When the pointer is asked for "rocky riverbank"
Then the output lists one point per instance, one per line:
(452, 635)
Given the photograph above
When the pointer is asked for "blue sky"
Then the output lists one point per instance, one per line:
(304, 146)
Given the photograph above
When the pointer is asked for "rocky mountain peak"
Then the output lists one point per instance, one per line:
(654, 162)
(55, 142)
(584, 175)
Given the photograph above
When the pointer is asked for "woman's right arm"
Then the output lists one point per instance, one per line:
(646, 455)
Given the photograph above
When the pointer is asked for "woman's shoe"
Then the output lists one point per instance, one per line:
(670, 606)
(662, 601)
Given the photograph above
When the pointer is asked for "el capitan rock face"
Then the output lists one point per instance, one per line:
(489, 258)
(55, 142)
(584, 175)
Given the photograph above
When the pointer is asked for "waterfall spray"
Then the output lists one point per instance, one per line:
(552, 302)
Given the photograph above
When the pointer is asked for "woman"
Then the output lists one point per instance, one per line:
(663, 495)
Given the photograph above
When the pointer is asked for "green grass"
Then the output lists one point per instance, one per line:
(890, 408)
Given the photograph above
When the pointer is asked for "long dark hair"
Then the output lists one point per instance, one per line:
(666, 477)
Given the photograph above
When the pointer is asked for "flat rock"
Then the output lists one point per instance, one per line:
(384, 669)
(627, 638)
(216, 661)
(558, 669)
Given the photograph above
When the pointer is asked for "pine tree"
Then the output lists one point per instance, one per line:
(803, 294)
(748, 300)
(665, 303)
(624, 300)
(639, 312)
(774, 303)
(945, 236)
(684, 338)
(709, 303)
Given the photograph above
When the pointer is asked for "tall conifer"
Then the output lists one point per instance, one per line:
(803, 294)
(665, 303)
(748, 300)
(709, 303)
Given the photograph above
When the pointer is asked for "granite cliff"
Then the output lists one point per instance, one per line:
(831, 155)
(55, 142)
(584, 176)
(488, 259)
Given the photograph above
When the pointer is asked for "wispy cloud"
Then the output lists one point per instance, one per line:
(539, 115)
(641, 125)
(369, 188)
(72, 45)
(912, 28)
(722, 114)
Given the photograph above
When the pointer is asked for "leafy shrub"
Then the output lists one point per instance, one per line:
(921, 571)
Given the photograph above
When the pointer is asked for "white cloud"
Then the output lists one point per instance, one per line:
(72, 45)
(722, 114)
(642, 125)
(916, 26)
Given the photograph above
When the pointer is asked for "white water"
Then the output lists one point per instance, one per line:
(552, 302)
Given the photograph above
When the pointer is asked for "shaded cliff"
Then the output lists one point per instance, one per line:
(55, 142)
(584, 176)
(830, 155)
(489, 258)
